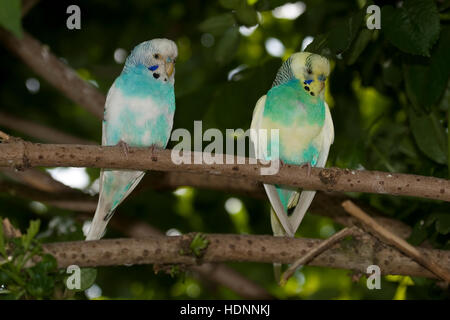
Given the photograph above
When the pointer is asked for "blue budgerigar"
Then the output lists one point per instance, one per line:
(139, 112)
(295, 105)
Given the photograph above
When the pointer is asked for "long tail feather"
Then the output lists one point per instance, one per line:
(306, 197)
(115, 186)
(278, 210)
(278, 231)
(100, 221)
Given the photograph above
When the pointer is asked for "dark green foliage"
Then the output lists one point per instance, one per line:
(414, 27)
(388, 93)
(10, 16)
(198, 244)
(17, 280)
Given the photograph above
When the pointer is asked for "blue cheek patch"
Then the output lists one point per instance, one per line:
(153, 68)
(308, 81)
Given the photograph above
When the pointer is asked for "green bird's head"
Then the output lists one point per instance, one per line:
(312, 70)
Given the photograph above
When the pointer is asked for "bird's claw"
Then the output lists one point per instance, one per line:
(154, 147)
(125, 147)
(308, 165)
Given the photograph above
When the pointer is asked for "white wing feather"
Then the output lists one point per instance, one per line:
(105, 207)
(327, 137)
(260, 149)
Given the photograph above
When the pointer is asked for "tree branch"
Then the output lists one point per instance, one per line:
(37, 179)
(64, 198)
(315, 251)
(38, 131)
(27, 5)
(353, 254)
(217, 273)
(21, 154)
(325, 204)
(39, 58)
(377, 230)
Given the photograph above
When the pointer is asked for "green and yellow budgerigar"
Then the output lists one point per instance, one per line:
(295, 105)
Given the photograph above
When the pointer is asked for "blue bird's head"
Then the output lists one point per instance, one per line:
(158, 56)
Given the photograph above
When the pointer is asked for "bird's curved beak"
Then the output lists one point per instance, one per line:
(170, 67)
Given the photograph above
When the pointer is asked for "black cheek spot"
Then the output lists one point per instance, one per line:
(165, 79)
(306, 88)
(311, 93)
(156, 75)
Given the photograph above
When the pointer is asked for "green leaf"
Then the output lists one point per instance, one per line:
(217, 25)
(339, 39)
(48, 263)
(2, 240)
(246, 14)
(198, 244)
(444, 105)
(227, 46)
(230, 4)
(32, 231)
(413, 28)
(264, 5)
(418, 235)
(87, 279)
(426, 81)
(392, 75)
(88, 276)
(429, 135)
(319, 45)
(441, 221)
(10, 15)
(361, 42)
(40, 285)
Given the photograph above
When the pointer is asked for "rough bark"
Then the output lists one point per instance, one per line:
(20, 154)
(354, 254)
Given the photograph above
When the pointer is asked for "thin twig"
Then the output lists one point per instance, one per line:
(385, 235)
(41, 60)
(8, 229)
(4, 136)
(37, 179)
(38, 131)
(27, 5)
(315, 251)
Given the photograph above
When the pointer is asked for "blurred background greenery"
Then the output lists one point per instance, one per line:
(389, 98)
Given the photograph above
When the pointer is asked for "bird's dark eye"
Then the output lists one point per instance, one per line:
(156, 56)
(309, 71)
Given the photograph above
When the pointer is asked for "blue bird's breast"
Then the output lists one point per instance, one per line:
(139, 109)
